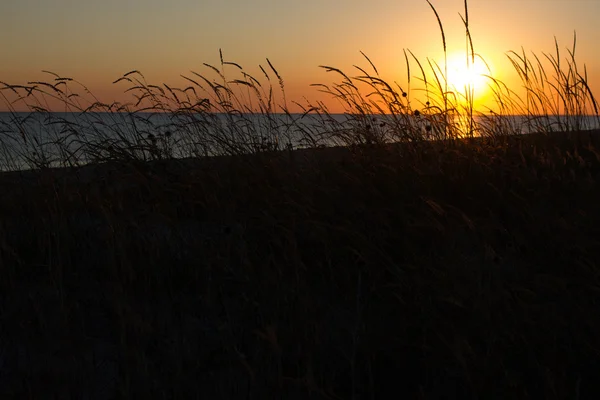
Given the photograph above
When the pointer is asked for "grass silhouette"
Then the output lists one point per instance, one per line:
(403, 251)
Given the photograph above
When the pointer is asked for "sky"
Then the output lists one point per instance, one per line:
(96, 42)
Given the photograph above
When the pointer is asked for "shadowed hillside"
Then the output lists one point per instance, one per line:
(464, 268)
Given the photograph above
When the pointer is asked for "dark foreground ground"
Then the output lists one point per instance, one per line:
(460, 270)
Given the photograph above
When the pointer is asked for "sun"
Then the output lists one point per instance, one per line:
(466, 76)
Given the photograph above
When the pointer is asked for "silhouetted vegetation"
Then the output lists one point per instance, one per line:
(417, 249)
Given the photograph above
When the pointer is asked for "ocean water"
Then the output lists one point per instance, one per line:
(29, 140)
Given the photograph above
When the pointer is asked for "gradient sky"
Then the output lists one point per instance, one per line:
(98, 41)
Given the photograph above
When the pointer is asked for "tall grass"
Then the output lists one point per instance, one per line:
(227, 111)
(432, 267)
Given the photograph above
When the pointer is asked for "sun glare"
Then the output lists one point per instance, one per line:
(467, 76)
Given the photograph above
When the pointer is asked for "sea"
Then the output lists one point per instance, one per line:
(53, 139)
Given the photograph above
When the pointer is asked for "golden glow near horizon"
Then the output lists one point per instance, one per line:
(97, 42)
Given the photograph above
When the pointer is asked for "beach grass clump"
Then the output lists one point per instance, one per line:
(211, 117)
(557, 95)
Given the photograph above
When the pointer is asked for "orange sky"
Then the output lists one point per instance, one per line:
(96, 42)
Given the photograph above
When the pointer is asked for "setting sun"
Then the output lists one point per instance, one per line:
(465, 76)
